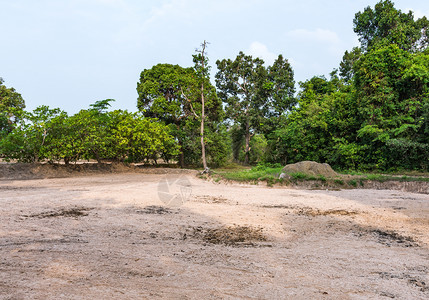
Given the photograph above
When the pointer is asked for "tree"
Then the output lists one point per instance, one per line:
(279, 95)
(346, 65)
(240, 83)
(387, 25)
(253, 94)
(11, 106)
(10, 98)
(135, 138)
(392, 90)
(160, 96)
(173, 95)
(202, 70)
(29, 139)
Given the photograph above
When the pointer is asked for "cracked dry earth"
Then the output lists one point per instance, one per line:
(110, 237)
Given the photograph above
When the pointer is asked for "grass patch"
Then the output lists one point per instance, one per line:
(270, 174)
(339, 181)
(383, 178)
(254, 174)
(299, 176)
(353, 182)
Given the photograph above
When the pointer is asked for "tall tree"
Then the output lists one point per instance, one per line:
(279, 98)
(202, 70)
(240, 83)
(387, 25)
(255, 95)
(346, 65)
(160, 91)
(392, 92)
(173, 95)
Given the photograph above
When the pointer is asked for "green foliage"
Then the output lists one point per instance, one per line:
(218, 145)
(385, 25)
(384, 178)
(263, 172)
(173, 95)
(11, 107)
(258, 147)
(49, 134)
(135, 138)
(9, 98)
(298, 176)
(325, 110)
(376, 115)
(346, 65)
(255, 97)
(392, 87)
(339, 181)
(101, 105)
(371, 114)
(27, 142)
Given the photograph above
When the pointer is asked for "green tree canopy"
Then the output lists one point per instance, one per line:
(387, 25)
(9, 98)
(172, 94)
(254, 94)
(11, 106)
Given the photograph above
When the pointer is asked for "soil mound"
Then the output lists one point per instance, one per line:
(20, 171)
(310, 168)
(231, 235)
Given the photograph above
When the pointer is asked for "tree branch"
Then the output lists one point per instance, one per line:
(190, 103)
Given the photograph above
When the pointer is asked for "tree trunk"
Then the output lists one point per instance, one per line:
(203, 146)
(247, 147)
(97, 157)
(181, 156)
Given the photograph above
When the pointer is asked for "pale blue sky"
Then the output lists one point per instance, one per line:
(71, 53)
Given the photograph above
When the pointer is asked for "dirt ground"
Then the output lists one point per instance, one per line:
(157, 236)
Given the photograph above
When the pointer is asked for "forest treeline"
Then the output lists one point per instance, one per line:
(371, 113)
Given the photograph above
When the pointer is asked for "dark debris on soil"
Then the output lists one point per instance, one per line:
(390, 237)
(240, 236)
(413, 280)
(154, 209)
(308, 211)
(63, 212)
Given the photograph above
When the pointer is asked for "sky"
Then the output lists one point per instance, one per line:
(71, 53)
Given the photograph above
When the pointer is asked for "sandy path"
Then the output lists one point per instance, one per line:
(111, 237)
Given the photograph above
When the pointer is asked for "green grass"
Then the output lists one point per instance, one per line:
(339, 181)
(383, 178)
(270, 174)
(253, 174)
(352, 182)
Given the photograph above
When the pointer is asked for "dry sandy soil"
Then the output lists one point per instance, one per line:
(113, 236)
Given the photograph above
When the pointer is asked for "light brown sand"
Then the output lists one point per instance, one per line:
(111, 237)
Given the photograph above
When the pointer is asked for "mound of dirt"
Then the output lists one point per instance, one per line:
(20, 171)
(310, 168)
(231, 235)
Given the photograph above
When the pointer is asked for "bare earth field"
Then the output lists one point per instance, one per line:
(111, 237)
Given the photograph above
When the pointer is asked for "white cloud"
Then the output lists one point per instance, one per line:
(258, 49)
(320, 35)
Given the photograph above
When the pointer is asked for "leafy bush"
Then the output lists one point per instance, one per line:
(49, 134)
